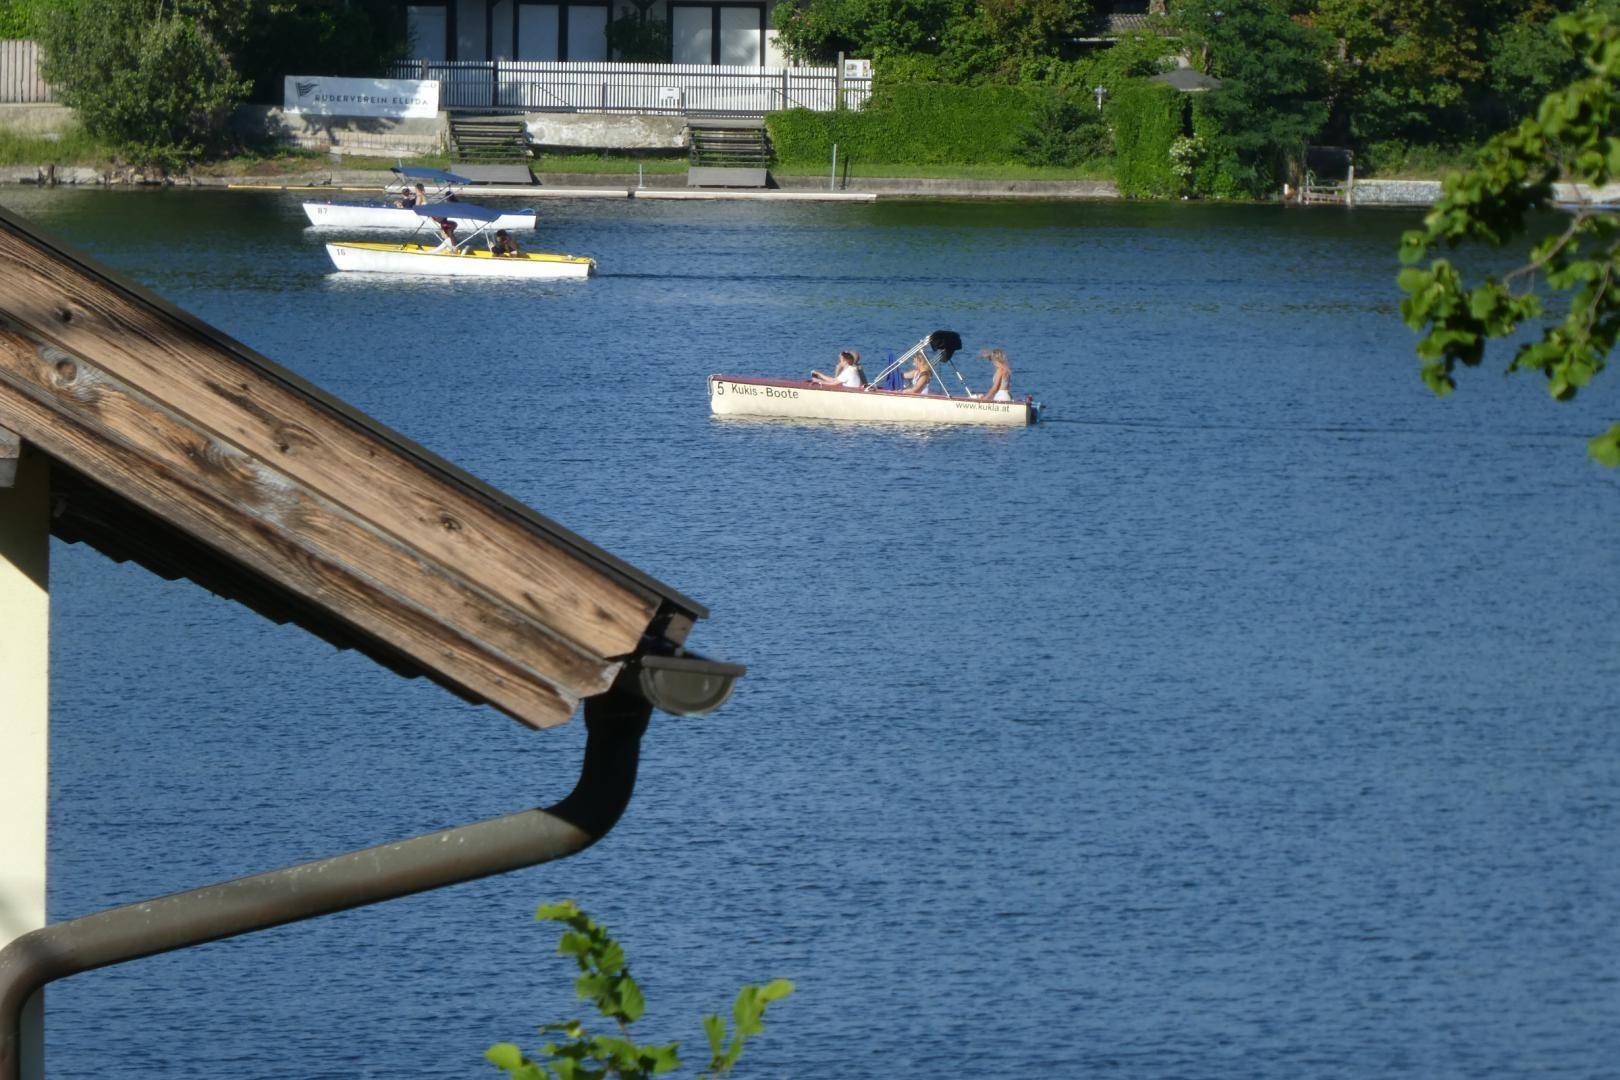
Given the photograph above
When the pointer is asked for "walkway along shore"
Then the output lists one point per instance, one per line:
(350, 182)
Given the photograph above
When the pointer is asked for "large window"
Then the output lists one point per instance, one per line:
(724, 33)
(559, 31)
(429, 28)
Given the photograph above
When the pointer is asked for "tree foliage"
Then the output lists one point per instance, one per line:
(148, 78)
(318, 37)
(1273, 68)
(573, 1053)
(158, 79)
(956, 40)
(1575, 134)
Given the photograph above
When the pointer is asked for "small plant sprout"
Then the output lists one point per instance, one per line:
(573, 1053)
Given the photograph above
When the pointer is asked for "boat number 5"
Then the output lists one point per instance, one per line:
(719, 389)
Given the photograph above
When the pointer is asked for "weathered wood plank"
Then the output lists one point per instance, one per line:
(78, 388)
(321, 449)
(10, 451)
(222, 524)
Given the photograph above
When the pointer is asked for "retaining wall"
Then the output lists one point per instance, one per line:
(369, 136)
(606, 131)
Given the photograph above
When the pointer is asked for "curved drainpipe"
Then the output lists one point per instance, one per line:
(614, 723)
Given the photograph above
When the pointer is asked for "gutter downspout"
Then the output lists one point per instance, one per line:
(614, 723)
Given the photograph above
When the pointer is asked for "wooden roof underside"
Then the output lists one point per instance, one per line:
(180, 449)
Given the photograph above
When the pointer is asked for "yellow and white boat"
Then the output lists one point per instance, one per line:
(374, 258)
(461, 260)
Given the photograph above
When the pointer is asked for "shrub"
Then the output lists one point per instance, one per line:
(152, 83)
(1147, 119)
(1063, 129)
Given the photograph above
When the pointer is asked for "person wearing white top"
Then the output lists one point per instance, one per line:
(447, 236)
(1001, 383)
(918, 377)
(848, 373)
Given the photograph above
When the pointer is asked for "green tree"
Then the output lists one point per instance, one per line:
(1274, 70)
(818, 30)
(270, 39)
(1575, 135)
(575, 1054)
(151, 79)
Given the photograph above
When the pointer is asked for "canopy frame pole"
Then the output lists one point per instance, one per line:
(900, 360)
(614, 722)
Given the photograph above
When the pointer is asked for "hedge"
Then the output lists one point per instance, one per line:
(910, 124)
(1147, 118)
(16, 20)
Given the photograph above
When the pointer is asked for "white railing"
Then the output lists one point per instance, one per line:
(20, 83)
(565, 86)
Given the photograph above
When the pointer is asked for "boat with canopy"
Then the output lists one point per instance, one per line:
(387, 215)
(882, 401)
(460, 260)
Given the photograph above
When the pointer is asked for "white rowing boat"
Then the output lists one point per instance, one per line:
(390, 216)
(732, 395)
(420, 259)
(332, 215)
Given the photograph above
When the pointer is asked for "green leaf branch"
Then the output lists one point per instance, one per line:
(1574, 135)
(573, 1053)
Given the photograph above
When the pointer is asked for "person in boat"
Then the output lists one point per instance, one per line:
(1001, 382)
(918, 376)
(409, 198)
(447, 234)
(503, 246)
(847, 373)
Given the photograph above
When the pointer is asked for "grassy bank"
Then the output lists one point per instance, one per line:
(71, 147)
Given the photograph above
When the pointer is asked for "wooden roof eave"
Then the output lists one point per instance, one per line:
(296, 504)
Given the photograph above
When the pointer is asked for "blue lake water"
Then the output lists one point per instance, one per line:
(1257, 715)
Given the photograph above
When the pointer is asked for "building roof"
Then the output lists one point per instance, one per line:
(1188, 81)
(176, 447)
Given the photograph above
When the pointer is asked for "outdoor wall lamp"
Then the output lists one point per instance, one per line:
(1101, 92)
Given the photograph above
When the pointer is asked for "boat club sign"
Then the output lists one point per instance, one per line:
(322, 95)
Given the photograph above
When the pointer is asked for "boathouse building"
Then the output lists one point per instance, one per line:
(734, 33)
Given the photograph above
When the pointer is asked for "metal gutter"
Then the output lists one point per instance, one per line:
(614, 722)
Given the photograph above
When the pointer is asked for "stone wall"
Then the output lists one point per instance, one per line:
(36, 119)
(364, 135)
(1396, 192)
(606, 131)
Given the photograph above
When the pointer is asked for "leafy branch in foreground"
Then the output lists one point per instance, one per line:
(1575, 134)
(605, 981)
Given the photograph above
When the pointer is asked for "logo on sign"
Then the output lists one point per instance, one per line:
(305, 87)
